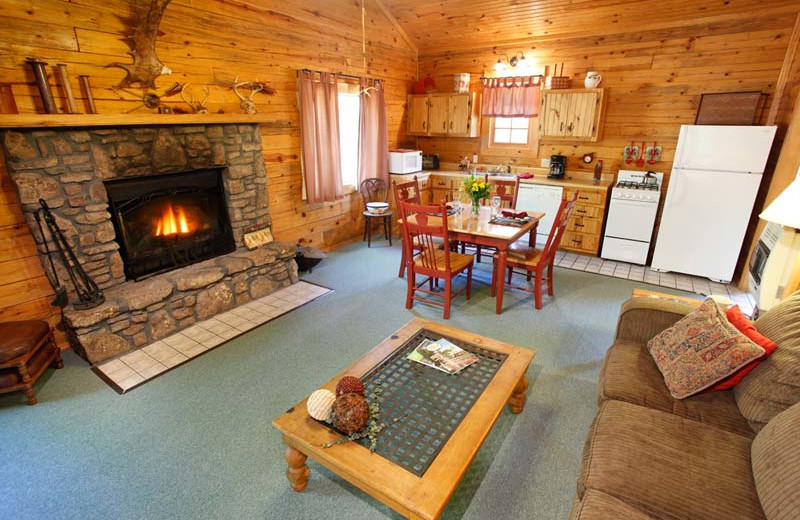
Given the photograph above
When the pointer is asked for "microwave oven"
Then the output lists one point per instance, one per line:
(405, 161)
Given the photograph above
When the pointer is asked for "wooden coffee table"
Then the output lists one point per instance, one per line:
(413, 496)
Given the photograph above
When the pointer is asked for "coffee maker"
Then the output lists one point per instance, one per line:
(558, 165)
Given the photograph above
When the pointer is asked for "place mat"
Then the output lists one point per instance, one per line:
(510, 221)
(428, 404)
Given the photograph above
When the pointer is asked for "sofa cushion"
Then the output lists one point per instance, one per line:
(738, 319)
(667, 466)
(630, 374)
(776, 465)
(701, 349)
(774, 385)
(599, 506)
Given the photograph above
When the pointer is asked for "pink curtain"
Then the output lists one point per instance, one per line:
(511, 97)
(319, 132)
(373, 135)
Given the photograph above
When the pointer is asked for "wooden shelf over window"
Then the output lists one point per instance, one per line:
(94, 120)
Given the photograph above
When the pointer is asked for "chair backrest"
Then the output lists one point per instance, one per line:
(374, 190)
(425, 227)
(506, 189)
(560, 224)
(407, 191)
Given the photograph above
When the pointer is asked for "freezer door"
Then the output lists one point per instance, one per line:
(540, 197)
(724, 148)
(704, 221)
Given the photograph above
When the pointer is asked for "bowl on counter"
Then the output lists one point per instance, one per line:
(376, 208)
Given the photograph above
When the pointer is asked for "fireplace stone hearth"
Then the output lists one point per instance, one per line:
(67, 168)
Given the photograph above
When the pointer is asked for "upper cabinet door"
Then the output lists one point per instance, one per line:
(438, 116)
(460, 114)
(571, 115)
(417, 115)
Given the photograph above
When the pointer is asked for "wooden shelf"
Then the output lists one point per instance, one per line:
(90, 120)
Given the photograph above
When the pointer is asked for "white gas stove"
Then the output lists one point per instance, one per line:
(631, 216)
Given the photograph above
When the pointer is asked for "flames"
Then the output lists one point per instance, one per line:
(173, 221)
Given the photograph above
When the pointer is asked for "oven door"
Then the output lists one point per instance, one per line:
(631, 219)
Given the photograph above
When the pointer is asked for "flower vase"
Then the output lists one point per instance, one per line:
(475, 209)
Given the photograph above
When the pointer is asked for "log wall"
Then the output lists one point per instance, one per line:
(206, 43)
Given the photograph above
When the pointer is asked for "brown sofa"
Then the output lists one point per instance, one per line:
(721, 455)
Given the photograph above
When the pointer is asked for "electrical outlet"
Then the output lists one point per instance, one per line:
(545, 163)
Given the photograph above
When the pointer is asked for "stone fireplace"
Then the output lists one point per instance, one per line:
(156, 216)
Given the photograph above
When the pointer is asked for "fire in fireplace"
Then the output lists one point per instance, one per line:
(168, 221)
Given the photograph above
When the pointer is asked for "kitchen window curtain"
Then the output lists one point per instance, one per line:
(319, 133)
(511, 97)
(373, 136)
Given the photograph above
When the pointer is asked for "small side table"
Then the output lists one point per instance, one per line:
(387, 226)
(27, 348)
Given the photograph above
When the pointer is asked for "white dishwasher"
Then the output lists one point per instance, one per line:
(540, 197)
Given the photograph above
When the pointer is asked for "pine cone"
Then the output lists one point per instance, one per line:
(349, 385)
(350, 413)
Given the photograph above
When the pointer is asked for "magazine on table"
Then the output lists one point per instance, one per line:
(442, 355)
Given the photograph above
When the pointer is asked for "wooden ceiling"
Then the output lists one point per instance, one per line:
(448, 25)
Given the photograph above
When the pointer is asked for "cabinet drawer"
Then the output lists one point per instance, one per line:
(586, 225)
(580, 241)
(587, 196)
(441, 183)
(582, 210)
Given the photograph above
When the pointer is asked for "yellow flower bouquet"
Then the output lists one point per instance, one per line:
(476, 189)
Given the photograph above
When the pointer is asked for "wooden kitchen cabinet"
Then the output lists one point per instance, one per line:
(585, 226)
(451, 114)
(571, 114)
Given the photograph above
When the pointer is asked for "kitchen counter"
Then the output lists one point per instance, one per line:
(539, 178)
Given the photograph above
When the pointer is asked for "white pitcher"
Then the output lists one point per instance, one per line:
(593, 79)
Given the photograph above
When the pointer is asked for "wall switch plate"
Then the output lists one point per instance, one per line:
(545, 163)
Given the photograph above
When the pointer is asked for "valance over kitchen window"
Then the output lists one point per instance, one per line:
(511, 97)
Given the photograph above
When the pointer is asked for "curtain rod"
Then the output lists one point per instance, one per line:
(341, 75)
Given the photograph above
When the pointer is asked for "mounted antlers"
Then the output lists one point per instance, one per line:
(247, 104)
(198, 107)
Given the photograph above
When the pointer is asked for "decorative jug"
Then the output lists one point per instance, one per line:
(593, 79)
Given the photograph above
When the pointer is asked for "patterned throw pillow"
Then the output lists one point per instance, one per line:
(699, 350)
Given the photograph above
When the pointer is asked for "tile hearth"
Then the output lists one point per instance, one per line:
(132, 369)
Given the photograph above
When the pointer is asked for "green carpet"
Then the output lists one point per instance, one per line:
(197, 443)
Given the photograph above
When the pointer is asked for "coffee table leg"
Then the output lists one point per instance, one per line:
(298, 471)
(517, 400)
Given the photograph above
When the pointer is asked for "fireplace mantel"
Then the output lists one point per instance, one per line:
(94, 120)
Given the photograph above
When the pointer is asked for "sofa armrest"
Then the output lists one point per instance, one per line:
(642, 318)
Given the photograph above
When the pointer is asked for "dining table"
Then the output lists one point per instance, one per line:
(463, 227)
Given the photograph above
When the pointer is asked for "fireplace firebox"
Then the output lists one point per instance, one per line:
(163, 222)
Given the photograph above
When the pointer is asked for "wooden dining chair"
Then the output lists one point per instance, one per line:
(534, 261)
(507, 190)
(375, 190)
(426, 225)
(406, 192)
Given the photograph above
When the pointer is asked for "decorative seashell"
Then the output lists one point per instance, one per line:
(320, 404)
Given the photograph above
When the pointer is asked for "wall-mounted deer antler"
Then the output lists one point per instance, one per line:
(247, 104)
(146, 66)
(198, 107)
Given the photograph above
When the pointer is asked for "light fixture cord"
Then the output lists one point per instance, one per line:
(364, 38)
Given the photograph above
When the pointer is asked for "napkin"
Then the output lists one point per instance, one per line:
(514, 214)
(525, 175)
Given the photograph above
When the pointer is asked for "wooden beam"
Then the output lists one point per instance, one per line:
(785, 75)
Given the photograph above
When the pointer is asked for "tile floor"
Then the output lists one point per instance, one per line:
(695, 284)
(132, 369)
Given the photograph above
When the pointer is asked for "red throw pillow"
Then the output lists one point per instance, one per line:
(738, 319)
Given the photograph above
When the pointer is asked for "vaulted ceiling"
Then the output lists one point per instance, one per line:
(439, 26)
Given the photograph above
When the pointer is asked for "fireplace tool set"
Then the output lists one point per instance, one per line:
(89, 295)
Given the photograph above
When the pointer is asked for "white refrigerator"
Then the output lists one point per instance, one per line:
(712, 188)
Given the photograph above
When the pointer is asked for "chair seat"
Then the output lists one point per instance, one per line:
(458, 262)
(522, 254)
(20, 337)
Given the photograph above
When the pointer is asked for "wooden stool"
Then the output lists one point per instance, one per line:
(27, 348)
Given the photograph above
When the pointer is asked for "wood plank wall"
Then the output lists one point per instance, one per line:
(654, 78)
(207, 43)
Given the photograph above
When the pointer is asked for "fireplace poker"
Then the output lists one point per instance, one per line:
(89, 295)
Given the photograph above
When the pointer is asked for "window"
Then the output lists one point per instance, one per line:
(510, 130)
(349, 115)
